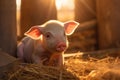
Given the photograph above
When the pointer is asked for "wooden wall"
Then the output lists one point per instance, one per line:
(8, 37)
(36, 12)
(84, 38)
(85, 10)
(108, 16)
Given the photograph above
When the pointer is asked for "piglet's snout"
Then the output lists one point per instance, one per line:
(61, 46)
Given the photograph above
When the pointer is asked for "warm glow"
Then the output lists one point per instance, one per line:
(18, 4)
(59, 4)
(65, 4)
(65, 9)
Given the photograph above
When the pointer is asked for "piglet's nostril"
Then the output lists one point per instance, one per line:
(61, 46)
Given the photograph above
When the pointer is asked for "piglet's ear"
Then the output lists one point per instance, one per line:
(34, 32)
(70, 27)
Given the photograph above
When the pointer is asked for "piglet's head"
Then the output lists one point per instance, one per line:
(53, 34)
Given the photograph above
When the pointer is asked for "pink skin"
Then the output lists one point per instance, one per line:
(46, 43)
(61, 46)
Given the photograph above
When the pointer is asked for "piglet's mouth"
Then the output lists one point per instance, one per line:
(61, 47)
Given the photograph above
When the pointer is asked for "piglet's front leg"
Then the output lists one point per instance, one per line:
(39, 60)
(56, 60)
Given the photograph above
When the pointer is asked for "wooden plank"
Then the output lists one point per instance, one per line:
(114, 52)
(7, 63)
(8, 39)
(108, 23)
(5, 59)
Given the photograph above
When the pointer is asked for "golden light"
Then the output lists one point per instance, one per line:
(65, 9)
(18, 4)
(59, 4)
(65, 4)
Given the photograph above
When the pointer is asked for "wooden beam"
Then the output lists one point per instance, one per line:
(114, 52)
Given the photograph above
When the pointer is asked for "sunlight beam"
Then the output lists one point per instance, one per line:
(65, 10)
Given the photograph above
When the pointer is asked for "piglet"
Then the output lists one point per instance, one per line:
(46, 43)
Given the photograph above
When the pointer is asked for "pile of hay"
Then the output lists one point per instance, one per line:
(95, 69)
(74, 69)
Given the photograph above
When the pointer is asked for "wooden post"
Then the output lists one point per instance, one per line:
(108, 16)
(8, 40)
(36, 12)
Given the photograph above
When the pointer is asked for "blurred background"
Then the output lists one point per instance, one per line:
(37, 12)
(98, 29)
(64, 9)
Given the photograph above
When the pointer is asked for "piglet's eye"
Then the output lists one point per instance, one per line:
(48, 35)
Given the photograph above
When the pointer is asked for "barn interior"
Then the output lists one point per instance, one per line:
(94, 48)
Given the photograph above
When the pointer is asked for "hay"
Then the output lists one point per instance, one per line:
(39, 72)
(93, 69)
(74, 69)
